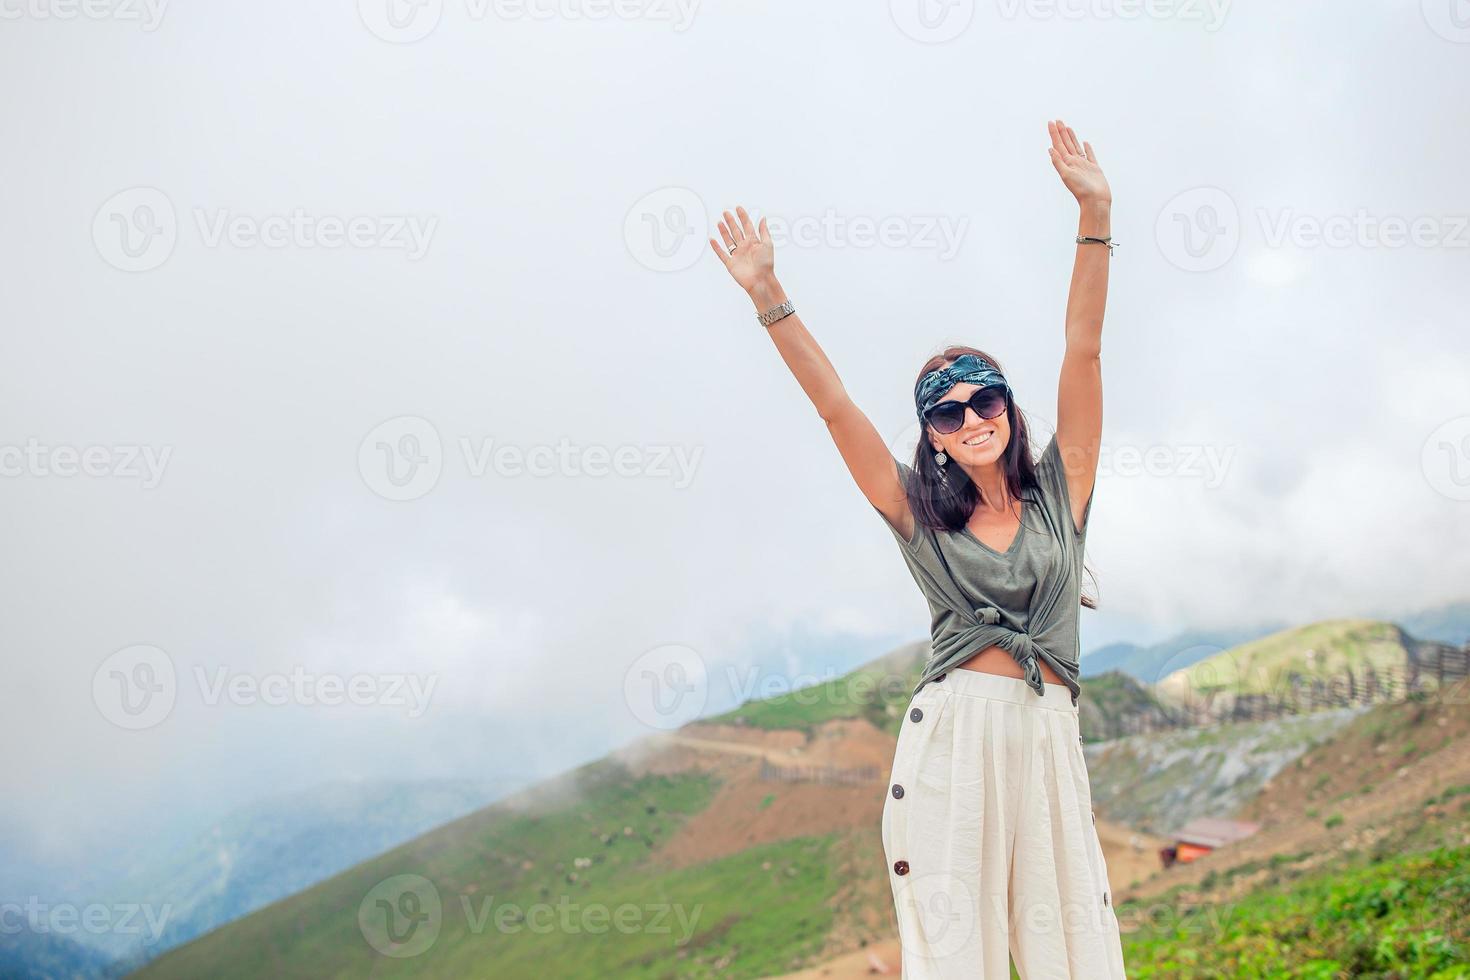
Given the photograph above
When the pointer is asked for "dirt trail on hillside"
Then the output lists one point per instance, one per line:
(877, 960)
(776, 785)
(778, 756)
(1130, 855)
(1378, 788)
(881, 958)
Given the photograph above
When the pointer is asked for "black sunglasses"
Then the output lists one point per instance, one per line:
(947, 417)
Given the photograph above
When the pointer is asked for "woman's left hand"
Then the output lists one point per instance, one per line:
(1077, 165)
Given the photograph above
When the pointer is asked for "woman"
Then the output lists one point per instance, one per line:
(988, 825)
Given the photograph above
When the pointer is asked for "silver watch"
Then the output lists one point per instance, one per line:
(776, 313)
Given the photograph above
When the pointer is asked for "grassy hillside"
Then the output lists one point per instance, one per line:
(1273, 665)
(747, 845)
(1362, 864)
(1395, 779)
(756, 874)
(1148, 663)
(879, 691)
(561, 886)
(1270, 664)
(1402, 916)
(876, 692)
(1108, 699)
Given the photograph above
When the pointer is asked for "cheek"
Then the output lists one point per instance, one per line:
(1004, 435)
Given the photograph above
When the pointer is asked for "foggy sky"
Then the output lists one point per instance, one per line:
(479, 231)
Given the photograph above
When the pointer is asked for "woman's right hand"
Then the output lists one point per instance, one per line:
(867, 456)
(753, 262)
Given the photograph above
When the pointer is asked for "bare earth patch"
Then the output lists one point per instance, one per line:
(1376, 788)
(776, 785)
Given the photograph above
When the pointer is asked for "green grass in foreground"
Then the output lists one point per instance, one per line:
(745, 916)
(558, 890)
(1407, 916)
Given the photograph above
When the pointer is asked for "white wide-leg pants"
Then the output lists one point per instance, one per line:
(990, 837)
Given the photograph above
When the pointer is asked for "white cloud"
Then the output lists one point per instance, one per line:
(530, 321)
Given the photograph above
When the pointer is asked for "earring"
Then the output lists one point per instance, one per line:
(940, 458)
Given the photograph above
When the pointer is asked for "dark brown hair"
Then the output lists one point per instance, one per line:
(945, 498)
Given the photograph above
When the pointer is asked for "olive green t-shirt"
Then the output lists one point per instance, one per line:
(1024, 600)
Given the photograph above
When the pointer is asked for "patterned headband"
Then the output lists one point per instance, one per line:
(966, 368)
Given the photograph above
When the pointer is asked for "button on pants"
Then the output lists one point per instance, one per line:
(989, 833)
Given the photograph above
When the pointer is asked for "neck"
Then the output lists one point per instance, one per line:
(991, 479)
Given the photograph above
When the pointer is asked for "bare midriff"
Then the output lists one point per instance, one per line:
(995, 660)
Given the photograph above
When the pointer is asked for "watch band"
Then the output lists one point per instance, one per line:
(776, 313)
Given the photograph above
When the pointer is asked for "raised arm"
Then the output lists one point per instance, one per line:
(752, 264)
(1079, 393)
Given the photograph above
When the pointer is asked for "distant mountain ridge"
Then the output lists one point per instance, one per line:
(28, 955)
(1151, 662)
(1448, 623)
(1287, 663)
(255, 856)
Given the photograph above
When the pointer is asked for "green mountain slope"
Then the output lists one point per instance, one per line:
(1110, 699)
(1405, 916)
(1148, 663)
(1286, 664)
(879, 691)
(592, 840)
(558, 882)
(746, 845)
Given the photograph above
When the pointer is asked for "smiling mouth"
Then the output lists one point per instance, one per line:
(981, 439)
